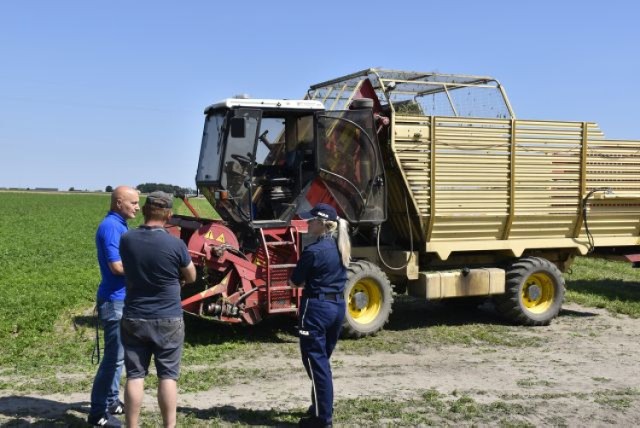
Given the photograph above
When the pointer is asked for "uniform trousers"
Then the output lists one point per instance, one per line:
(320, 322)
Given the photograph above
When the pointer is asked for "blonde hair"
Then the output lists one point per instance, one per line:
(339, 230)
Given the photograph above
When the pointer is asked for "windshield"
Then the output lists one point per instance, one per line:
(209, 163)
(239, 159)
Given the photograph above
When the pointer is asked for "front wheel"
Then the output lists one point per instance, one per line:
(534, 292)
(368, 299)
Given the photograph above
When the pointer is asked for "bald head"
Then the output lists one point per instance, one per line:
(125, 201)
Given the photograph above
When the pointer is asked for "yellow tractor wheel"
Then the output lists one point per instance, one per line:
(534, 292)
(368, 299)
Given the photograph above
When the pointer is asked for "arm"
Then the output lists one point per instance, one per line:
(116, 268)
(300, 272)
(189, 273)
(111, 246)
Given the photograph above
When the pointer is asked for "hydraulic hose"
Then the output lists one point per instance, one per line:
(406, 205)
(590, 240)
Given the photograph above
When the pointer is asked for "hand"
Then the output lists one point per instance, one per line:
(291, 284)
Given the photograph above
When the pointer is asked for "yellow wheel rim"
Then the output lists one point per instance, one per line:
(365, 301)
(538, 292)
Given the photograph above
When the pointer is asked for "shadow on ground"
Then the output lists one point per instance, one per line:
(576, 314)
(84, 321)
(408, 313)
(623, 291)
(411, 313)
(22, 411)
(230, 414)
(277, 329)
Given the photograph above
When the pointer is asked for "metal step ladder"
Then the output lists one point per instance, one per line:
(289, 239)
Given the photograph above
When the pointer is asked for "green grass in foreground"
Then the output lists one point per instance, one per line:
(430, 408)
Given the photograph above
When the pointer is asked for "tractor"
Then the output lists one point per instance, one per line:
(447, 194)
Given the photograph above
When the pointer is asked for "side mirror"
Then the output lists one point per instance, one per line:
(237, 127)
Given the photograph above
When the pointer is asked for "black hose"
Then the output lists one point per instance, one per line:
(591, 243)
(406, 205)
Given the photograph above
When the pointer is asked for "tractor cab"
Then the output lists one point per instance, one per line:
(262, 161)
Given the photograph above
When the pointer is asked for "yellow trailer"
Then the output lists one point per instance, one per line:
(480, 202)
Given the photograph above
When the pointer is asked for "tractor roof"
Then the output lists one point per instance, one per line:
(266, 103)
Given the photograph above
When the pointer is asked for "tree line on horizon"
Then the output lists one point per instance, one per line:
(153, 187)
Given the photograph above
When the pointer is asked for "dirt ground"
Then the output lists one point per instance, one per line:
(584, 374)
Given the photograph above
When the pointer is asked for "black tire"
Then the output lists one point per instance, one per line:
(534, 292)
(368, 298)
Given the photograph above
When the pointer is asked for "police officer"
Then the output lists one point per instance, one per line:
(322, 271)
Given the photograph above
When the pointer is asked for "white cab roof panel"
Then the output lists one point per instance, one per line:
(264, 103)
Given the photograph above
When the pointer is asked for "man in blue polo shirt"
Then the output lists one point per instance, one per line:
(105, 400)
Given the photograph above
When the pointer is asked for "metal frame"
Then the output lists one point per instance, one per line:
(382, 80)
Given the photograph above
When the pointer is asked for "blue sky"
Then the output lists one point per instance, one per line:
(96, 93)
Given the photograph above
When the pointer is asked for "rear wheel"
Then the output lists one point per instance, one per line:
(534, 292)
(368, 299)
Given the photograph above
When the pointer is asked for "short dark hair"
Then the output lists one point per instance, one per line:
(152, 212)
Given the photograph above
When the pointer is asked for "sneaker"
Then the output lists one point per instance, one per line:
(107, 420)
(116, 408)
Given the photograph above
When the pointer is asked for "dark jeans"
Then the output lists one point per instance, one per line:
(106, 384)
(320, 325)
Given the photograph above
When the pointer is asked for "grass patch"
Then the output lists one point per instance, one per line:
(49, 268)
(610, 285)
(431, 408)
(529, 382)
(619, 400)
(200, 204)
(412, 341)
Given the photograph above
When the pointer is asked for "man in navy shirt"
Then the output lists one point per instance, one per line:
(152, 325)
(322, 271)
(110, 301)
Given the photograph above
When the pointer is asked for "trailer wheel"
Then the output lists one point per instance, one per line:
(368, 299)
(534, 292)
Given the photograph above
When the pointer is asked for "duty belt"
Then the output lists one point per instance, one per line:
(325, 296)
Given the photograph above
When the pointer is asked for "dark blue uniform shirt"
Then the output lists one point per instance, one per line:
(320, 268)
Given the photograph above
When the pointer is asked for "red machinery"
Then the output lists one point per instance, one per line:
(236, 283)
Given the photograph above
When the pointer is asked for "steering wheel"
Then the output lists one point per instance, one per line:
(243, 160)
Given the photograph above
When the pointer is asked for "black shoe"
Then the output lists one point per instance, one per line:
(107, 420)
(313, 422)
(116, 408)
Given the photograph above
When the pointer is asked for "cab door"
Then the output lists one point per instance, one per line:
(350, 165)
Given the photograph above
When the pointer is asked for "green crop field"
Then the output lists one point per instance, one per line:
(49, 276)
